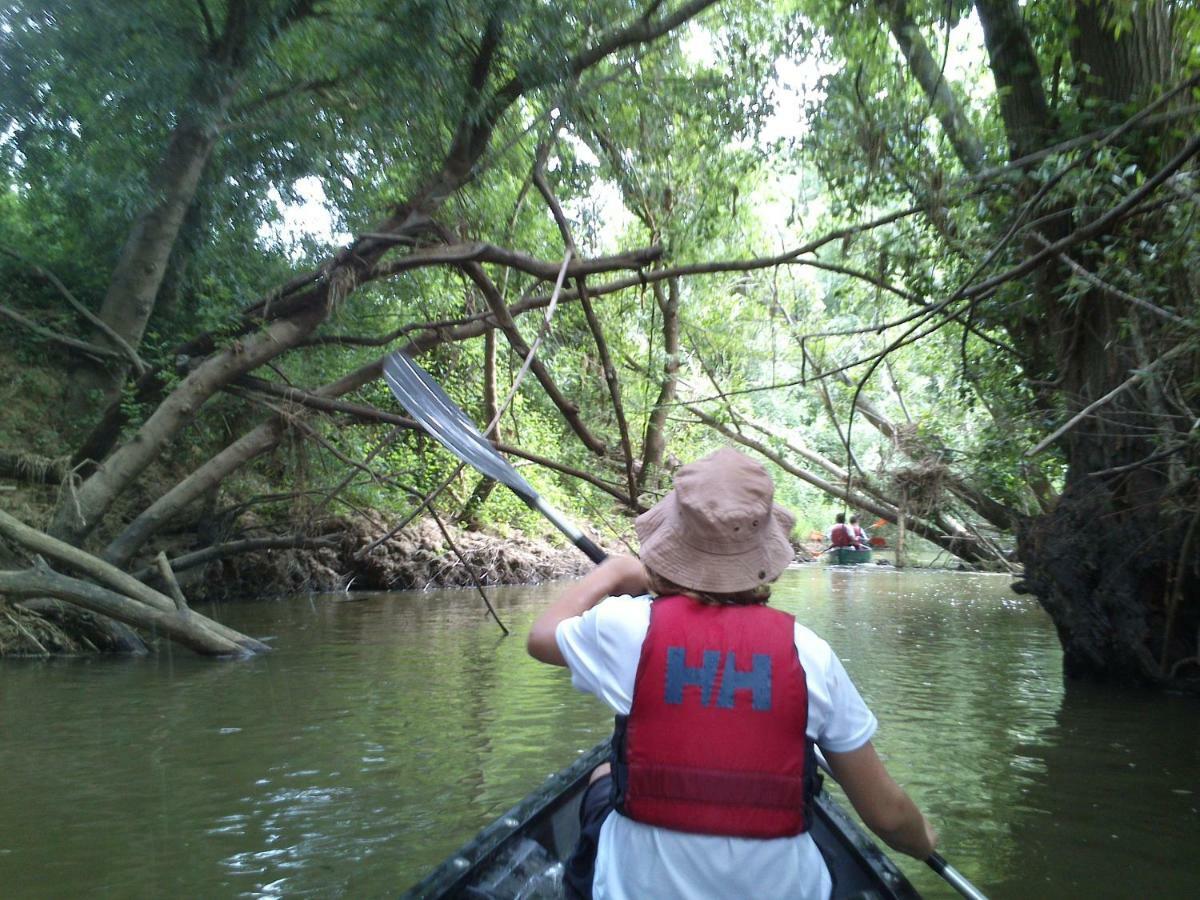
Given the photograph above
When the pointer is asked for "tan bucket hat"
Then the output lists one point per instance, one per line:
(719, 530)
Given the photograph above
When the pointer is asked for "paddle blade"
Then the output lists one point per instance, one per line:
(440, 417)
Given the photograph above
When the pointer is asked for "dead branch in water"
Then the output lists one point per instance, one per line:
(182, 626)
(129, 600)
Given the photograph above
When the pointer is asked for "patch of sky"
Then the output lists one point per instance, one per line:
(306, 221)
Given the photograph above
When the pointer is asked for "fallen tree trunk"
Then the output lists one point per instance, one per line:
(185, 627)
(962, 546)
(120, 584)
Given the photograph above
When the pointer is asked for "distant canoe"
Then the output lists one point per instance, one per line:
(847, 556)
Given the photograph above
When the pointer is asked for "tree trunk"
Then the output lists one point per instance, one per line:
(655, 443)
(506, 324)
(1119, 585)
(81, 510)
(929, 75)
(1114, 563)
(206, 478)
(1015, 68)
(139, 272)
(181, 626)
(124, 598)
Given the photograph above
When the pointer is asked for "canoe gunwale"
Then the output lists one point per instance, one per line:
(466, 863)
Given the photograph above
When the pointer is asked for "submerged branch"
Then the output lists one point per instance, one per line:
(181, 626)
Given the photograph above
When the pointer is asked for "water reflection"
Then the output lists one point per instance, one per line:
(1114, 805)
(388, 729)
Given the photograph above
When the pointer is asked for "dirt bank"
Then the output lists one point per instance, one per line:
(361, 556)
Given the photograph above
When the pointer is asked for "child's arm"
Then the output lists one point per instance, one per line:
(616, 575)
(883, 804)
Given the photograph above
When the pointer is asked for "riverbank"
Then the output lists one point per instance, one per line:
(338, 554)
(362, 554)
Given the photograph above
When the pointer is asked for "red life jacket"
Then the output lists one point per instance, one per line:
(715, 741)
(840, 535)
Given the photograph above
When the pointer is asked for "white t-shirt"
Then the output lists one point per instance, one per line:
(635, 861)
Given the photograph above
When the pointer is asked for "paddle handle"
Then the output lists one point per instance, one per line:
(954, 877)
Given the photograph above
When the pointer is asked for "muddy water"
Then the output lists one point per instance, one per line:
(386, 729)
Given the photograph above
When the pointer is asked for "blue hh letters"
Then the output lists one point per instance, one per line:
(681, 675)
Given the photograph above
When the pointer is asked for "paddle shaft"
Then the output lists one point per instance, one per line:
(559, 521)
(954, 877)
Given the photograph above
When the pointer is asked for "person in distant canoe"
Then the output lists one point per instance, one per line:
(842, 535)
(720, 702)
(859, 534)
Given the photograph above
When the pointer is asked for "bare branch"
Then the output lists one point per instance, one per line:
(610, 370)
(364, 413)
(457, 254)
(505, 322)
(95, 320)
(1114, 291)
(466, 565)
(233, 548)
(53, 336)
(163, 566)
(309, 86)
(1135, 379)
(641, 31)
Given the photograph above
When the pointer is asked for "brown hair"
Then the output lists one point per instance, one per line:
(662, 587)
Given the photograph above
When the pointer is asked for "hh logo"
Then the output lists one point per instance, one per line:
(704, 676)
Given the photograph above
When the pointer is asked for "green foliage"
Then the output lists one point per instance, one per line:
(691, 142)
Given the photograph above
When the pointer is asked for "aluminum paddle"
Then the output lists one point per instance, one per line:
(448, 425)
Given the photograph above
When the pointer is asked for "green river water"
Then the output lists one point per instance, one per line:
(386, 729)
